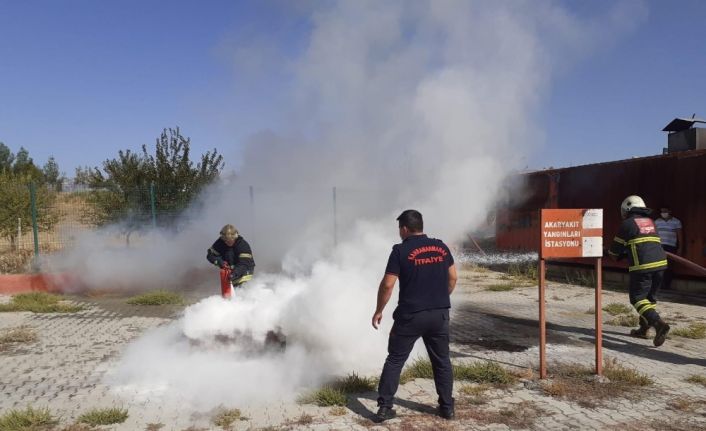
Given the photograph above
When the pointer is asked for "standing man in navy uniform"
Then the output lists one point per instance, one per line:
(427, 277)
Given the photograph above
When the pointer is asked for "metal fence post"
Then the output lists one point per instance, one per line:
(35, 228)
(153, 205)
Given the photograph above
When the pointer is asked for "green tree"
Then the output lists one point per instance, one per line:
(16, 210)
(121, 189)
(6, 158)
(24, 166)
(51, 174)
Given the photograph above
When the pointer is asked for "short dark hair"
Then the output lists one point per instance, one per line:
(412, 220)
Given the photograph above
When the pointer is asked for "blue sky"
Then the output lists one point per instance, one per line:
(81, 80)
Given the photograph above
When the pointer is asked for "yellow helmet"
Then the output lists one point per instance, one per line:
(229, 233)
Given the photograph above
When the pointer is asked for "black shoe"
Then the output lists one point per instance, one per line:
(447, 413)
(662, 329)
(384, 413)
(640, 332)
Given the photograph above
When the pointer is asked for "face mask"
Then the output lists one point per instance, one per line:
(664, 215)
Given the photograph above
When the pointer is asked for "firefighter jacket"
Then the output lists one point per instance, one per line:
(238, 257)
(637, 237)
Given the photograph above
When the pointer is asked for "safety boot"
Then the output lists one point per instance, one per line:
(640, 332)
(662, 329)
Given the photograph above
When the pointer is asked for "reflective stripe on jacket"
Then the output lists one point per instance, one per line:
(637, 238)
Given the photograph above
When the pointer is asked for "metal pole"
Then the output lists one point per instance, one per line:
(153, 205)
(335, 223)
(19, 233)
(542, 322)
(599, 317)
(35, 228)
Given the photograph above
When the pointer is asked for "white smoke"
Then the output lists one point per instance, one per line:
(398, 105)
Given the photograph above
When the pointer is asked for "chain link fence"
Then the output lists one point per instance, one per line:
(36, 220)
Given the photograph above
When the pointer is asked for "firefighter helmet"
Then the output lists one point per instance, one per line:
(229, 233)
(630, 202)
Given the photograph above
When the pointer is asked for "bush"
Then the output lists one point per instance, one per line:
(27, 419)
(108, 416)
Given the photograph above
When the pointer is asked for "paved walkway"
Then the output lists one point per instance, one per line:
(65, 369)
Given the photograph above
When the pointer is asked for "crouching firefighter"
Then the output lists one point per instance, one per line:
(637, 238)
(232, 254)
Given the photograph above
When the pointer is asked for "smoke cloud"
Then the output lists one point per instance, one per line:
(396, 104)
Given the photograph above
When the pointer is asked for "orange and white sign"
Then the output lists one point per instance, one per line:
(572, 233)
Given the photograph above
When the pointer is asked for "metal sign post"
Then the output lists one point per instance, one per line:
(570, 233)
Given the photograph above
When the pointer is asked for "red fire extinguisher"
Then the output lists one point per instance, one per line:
(226, 287)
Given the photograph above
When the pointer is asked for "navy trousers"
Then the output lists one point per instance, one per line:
(433, 327)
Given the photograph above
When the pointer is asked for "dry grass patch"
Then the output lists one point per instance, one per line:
(694, 331)
(616, 308)
(157, 297)
(40, 302)
(521, 415)
(697, 379)
(27, 419)
(684, 404)
(225, 418)
(628, 320)
(304, 419)
(154, 427)
(338, 411)
(107, 416)
(577, 383)
(18, 335)
(505, 287)
(524, 271)
(78, 427)
(473, 394)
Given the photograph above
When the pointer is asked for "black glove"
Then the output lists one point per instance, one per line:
(219, 262)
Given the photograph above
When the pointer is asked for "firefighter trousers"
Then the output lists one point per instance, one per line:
(433, 327)
(644, 287)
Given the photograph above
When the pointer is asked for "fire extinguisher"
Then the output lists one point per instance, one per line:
(226, 286)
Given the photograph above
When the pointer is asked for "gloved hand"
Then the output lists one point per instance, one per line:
(220, 262)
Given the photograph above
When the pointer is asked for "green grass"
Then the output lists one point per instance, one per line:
(18, 335)
(478, 372)
(27, 419)
(157, 297)
(107, 416)
(500, 287)
(417, 369)
(325, 396)
(694, 331)
(616, 308)
(697, 379)
(483, 372)
(355, 384)
(39, 302)
(225, 418)
(526, 272)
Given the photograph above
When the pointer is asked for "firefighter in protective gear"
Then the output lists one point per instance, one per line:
(637, 238)
(232, 251)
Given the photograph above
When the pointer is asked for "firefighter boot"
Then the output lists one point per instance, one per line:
(662, 329)
(640, 332)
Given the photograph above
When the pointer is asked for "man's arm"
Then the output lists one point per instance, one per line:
(453, 277)
(384, 294)
(680, 241)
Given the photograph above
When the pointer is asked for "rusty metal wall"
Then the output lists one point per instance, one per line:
(677, 180)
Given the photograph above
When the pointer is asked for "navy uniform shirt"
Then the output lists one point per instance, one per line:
(422, 265)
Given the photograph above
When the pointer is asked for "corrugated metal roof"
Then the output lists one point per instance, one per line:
(679, 124)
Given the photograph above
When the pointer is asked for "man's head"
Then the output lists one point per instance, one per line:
(229, 234)
(410, 223)
(665, 212)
